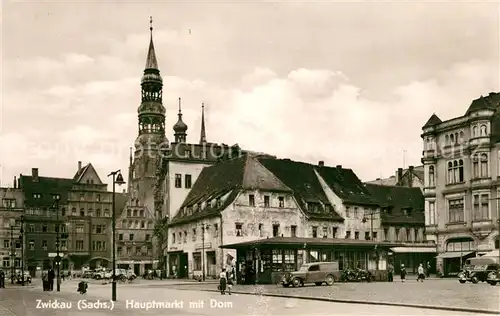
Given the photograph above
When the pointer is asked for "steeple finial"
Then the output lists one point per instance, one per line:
(130, 158)
(203, 135)
(180, 112)
(151, 62)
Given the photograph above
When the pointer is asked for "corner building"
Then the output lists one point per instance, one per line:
(461, 160)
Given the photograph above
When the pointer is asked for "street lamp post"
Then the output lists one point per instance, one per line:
(22, 249)
(117, 179)
(58, 244)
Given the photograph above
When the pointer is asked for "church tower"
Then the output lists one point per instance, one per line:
(151, 138)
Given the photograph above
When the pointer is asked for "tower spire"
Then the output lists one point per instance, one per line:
(180, 127)
(151, 62)
(203, 135)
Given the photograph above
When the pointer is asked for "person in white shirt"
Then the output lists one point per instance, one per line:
(421, 274)
(222, 281)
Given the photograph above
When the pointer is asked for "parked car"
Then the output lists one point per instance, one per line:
(27, 278)
(477, 269)
(317, 273)
(493, 277)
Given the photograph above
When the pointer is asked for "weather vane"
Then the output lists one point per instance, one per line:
(151, 23)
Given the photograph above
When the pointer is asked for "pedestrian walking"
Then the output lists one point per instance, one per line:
(230, 280)
(390, 273)
(428, 269)
(222, 282)
(2, 279)
(402, 273)
(45, 280)
(51, 278)
(421, 275)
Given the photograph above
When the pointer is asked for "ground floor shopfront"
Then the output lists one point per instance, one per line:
(412, 256)
(138, 266)
(265, 261)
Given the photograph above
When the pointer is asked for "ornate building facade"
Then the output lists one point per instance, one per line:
(461, 160)
(11, 210)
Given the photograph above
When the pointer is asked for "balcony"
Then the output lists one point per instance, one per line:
(479, 142)
(481, 182)
(429, 154)
(429, 191)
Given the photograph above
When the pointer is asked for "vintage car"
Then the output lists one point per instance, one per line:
(493, 277)
(477, 269)
(317, 273)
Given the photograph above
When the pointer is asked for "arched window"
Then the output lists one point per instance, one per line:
(452, 139)
(461, 137)
(460, 244)
(456, 137)
(431, 177)
(484, 165)
(460, 170)
(141, 213)
(475, 132)
(475, 167)
(455, 171)
(483, 130)
(446, 140)
(450, 172)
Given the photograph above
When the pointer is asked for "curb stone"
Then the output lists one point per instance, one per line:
(333, 300)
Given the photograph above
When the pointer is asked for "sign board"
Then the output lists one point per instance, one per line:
(207, 245)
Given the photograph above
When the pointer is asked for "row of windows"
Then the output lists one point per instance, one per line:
(456, 209)
(136, 224)
(138, 251)
(63, 245)
(9, 203)
(189, 210)
(178, 181)
(6, 262)
(89, 212)
(131, 237)
(44, 228)
(135, 213)
(455, 170)
(38, 196)
(267, 200)
(181, 237)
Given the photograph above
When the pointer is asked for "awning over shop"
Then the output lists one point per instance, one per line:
(302, 242)
(454, 254)
(414, 249)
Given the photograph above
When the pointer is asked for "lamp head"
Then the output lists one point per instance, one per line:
(119, 179)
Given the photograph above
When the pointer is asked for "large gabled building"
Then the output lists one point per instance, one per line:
(256, 197)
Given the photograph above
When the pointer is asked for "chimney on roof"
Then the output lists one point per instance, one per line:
(19, 182)
(79, 166)
(15, 182)
(410, 175)
(34, 174)
(377, 179)
(399, 175)
(321, 163)
(339, 166)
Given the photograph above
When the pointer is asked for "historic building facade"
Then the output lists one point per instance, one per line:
(258, 197)
(11, 210)
(461, 162)
(79, 209)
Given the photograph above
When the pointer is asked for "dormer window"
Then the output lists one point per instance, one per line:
(199, 207)
(218, 202)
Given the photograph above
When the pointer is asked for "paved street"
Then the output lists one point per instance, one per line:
(18, 301)
(444, 292)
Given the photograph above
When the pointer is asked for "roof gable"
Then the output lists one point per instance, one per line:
(88, 174)
(489, 102)
(256, 176)
(433, 120)
(346, 185)
(398, 199)
(301, 178)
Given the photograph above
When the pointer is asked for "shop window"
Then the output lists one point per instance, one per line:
(289, 259)
(197, 261)
(277, 260)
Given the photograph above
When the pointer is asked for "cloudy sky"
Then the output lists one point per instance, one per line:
(350, 84)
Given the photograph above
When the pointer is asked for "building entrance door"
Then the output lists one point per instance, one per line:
(183, 265)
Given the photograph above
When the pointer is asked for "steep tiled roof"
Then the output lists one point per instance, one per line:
(302, 179)
(79, 173)
(45, 186)
(346, 185)
(491, 101)
(228, 176)
(397, 199)
(433, 120)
